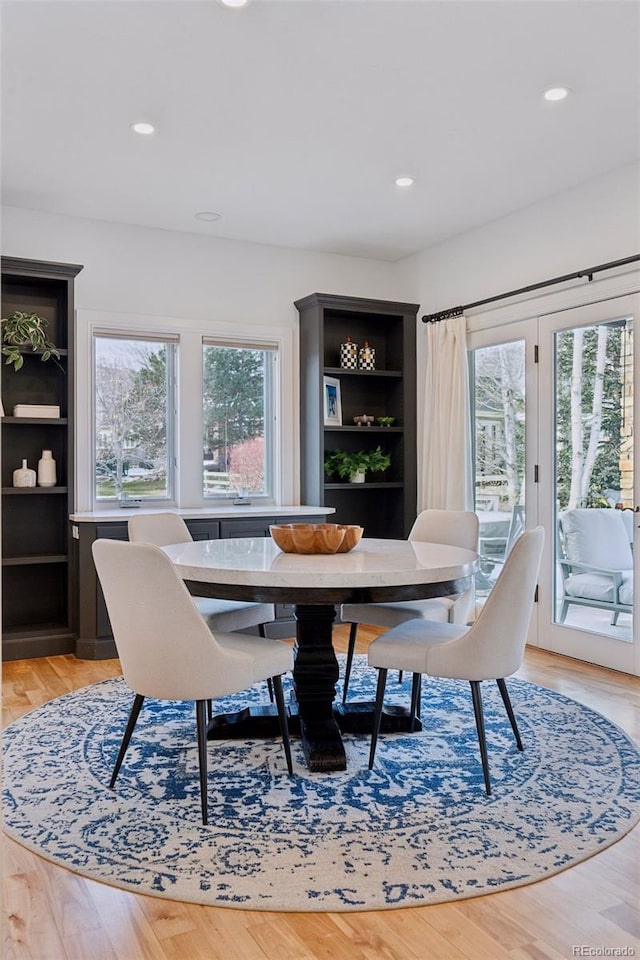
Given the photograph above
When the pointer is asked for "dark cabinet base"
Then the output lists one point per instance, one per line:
(94, 639)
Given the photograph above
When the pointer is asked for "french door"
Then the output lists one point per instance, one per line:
(588, 489)
(553, 406)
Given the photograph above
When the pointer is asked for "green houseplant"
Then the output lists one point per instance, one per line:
(21, 331)
(351, 465)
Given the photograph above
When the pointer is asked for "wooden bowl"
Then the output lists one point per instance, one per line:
(308, 537)
(352, 536)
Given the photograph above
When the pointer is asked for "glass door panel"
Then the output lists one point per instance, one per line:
(498, 378)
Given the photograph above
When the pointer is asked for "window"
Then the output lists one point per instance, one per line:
(237, 400)
(134, 417)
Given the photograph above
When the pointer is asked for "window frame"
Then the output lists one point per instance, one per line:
(172, 345)
(190, 333)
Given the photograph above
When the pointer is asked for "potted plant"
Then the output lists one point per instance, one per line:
(352, 466)
(22, 331)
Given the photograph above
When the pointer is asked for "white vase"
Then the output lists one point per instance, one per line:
(46, 470)
(357, 477)
(24, 477)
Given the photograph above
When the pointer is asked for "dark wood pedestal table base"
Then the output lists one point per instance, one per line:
(375, 571)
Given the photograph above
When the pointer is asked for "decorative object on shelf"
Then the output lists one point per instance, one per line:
(332, 403)
(47, 411)
(24, 477)
(349, 355)
(352, 466)
(21, 331)
(46, 470)
(311, 538)
(364, 421)
(367, 357)
(386, 421)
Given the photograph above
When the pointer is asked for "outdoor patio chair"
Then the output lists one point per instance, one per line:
(596, 561)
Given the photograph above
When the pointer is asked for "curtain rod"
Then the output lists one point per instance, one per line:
(579, 274)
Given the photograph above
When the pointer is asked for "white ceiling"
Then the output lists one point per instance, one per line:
(291, 118)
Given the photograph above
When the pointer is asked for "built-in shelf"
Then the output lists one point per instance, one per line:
(38, 571)
(50, 421)
(362, 487)
(32, 491)
(385, 508)
(29, 561)
(364, 430)
(342, 372)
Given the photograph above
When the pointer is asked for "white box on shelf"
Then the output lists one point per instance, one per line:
(47, 411)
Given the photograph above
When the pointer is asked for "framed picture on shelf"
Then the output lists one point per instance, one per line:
(332, 403)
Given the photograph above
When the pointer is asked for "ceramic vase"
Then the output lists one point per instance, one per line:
(46, 470)
(366, 357)
(349, 355)
(24, 477)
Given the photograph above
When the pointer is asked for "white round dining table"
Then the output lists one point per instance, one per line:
(374, 571)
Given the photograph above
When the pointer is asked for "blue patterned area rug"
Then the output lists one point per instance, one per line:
(415, 830)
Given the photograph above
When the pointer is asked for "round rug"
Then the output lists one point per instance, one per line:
(416, 829)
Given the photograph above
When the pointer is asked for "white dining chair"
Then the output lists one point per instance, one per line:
(167, 650)
(225, 615)
(458, 528)
(491, 649)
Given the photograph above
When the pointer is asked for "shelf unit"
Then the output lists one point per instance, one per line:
(385, 505)
(38, 579)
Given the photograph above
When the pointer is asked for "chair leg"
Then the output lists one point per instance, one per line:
(564, 611)
(502, 687)
(416, 686)
(262, 633)
(377, 717)
(353, 631)
(399, 676)
(201, 722)
(477, 709)
(282, 717)
(138, 700)
(614, 617)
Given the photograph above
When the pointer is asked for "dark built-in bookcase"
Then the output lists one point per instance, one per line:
(38, 601)
(385, 505)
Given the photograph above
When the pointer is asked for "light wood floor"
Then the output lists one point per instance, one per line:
(51, 914)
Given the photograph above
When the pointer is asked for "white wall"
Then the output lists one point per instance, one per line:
(136, 270)
(594, 223)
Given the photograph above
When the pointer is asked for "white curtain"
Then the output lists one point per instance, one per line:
(446, 462)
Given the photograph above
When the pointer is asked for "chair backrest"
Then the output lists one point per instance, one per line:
(596, 536)
(458, 528)
(493, 647)
(158, 528)
(166, 650)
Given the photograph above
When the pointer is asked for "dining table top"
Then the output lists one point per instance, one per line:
(374, 563)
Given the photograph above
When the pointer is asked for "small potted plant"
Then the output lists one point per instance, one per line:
(353, 466)
(25, 331)
(386, 421)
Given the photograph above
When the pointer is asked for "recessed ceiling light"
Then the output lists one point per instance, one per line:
(208, 215)
(404, 181)
(143, 128)
(556, 93)
(234, 3)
